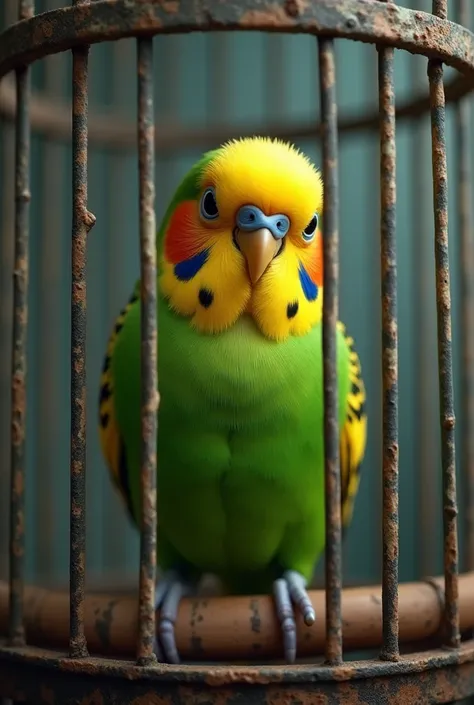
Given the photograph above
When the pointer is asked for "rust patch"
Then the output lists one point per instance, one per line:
(274, 16)
(295, 8)
(48, 29)
(220, 677)
(170, 6)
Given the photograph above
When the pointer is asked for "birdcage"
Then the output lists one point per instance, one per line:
(413, 638)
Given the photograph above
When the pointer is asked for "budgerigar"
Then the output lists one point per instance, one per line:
(240, 424)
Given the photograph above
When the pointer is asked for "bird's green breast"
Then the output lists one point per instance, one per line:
(240, 445)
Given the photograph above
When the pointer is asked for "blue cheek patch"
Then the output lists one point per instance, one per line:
(188, 268)
(310, 289)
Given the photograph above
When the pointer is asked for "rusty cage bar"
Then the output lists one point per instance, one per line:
(28, 673)
(327, 68)
(443, 305)
(146, 638)
(18, 374)
(390, 649)
(82, 223)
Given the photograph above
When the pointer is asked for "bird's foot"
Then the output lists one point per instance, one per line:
(169, 591)
(290, 590)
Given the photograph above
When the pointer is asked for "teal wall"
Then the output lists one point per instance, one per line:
(203, 81)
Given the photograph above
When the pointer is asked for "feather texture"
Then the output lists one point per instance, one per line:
(352, 439)
(109, 433)
(353, 433)
(199, 255)
(184, 239)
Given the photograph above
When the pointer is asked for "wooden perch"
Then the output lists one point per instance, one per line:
(238, 628)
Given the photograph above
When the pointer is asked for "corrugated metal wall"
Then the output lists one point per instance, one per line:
(202, 81)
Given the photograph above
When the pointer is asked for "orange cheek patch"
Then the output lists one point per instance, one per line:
(313, 260)
(185, 236)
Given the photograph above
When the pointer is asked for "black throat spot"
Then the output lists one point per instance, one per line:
(292, 309)
(206, 297)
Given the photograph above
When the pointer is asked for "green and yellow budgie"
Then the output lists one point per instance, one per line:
(240, 426)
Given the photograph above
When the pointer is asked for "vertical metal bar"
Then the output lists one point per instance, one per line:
(149, 391)
(82, 223)
(390, 651)
(7, 244)
(18, 361)
(8, 15)
(327, 69)
(443, 309)
(466, 231)
(440, 9)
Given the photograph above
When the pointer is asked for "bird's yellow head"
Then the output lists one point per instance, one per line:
(241, 237)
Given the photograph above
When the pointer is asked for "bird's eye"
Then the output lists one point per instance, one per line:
(209, 209)
(310, 230)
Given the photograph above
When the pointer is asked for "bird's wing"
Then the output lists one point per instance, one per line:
(353, 434)
(112, 443)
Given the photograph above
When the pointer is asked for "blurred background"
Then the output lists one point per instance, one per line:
(209, 88)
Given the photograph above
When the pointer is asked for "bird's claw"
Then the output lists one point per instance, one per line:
(168, 594)
(289, 590)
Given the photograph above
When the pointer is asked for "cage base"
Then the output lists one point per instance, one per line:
(30, 674)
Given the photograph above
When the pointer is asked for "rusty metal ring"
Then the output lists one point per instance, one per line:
(40, 675)
(435, 676)
(225, 674)
(371, 22)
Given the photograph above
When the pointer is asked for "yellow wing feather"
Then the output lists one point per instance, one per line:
(110, 439)
(353, 435)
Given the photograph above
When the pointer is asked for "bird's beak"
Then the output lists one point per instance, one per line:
(258, 247)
